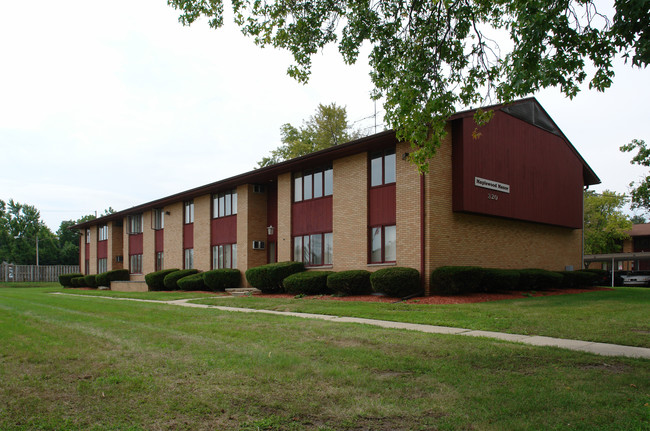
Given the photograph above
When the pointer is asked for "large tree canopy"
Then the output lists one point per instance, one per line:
(328, 127)
(640, 190)
(606, 226)
(429, 58)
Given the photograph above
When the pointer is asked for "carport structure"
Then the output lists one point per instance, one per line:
(614, 258)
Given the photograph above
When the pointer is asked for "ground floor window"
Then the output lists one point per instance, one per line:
(87, 267)
(159, 261)
(314, 249)
(383, 244)
(224, 256)
(102, 265)
(135, 264)
(189, 258)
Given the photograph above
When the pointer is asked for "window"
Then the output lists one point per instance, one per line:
(314, 249)
(102, 265)
(87, 267)
(189, 258)
(135, 264)
(224, 204)
(382, 168)
(103, 233)
(159, 261)
(224, 256)
(383, 246)
(158, 221)
(135, 224)
(87, 238)
(313, 184)
(189, 212)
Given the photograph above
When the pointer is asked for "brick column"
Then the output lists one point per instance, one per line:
(173, 247)
(148, 244)
(285, 199)
(202, 218)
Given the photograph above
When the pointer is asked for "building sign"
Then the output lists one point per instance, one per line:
(492, 185)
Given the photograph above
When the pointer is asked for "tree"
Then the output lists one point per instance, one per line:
(68, 239)
(641, 190)
(328, 127)
(606, 226)
(429, 58)
(638, 219)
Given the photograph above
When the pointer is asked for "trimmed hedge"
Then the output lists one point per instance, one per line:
(171, 280)
(90, 280)
(222, 279)
(539, 279)
(66, 279)
(456, 280)
(78, 281)
(353, 282)
(105, 278)
(499, 280)
(155, 280)
(397, 281)
(191, 282)
(268, 278)
(578, 279)
(307, 283)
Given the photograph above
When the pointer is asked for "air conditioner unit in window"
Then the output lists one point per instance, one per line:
(119, 259)
(258, 245)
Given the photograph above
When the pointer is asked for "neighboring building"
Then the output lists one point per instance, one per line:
(509, 199)
(634, 255)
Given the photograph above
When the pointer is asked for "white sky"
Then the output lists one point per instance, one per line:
(116, 104)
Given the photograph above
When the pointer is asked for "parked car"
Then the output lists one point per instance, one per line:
(637, 278)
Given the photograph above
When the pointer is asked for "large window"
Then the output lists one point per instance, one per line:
(313, 184)
(382, 168)
(158, 221)
(103, 233)
(135, 223)
(314, 249)
(383, 245)
(224, 256)
(160, 261)
(87, 237)
(102, 265)
(189, 212)
(135, 264)
(189, 258)
(224, 204)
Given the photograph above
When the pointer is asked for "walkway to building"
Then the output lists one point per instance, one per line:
(603, 349)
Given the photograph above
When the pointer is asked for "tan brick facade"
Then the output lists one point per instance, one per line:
(251, 226)
(408, 212)
(93, 250)
(173, 247)
(202, 219)
(285, 198)
(115, 246)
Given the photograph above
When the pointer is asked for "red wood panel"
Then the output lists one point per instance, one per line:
(311, 216)
(381, 205)
(135, 244)
(160, 240)
(102, 249)
(188, 235)
(87, 251)
(544, 174)
(224, 230)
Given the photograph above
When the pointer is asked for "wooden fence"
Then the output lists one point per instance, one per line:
(10, 272)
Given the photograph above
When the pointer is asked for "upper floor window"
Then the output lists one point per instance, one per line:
(87, 238)
(313, 184)
(382, 167)
(189, 212)
(102, 233)
(135, 223)
(158, 221)
(224, 204)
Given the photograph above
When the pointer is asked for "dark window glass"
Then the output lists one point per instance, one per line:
(297, 188)
(318, 184)
(376, 172)
(307, 183)
(389, 168)
(329, 182)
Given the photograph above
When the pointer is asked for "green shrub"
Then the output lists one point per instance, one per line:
(222, 279)
(577, 279)
(353, 282)
(66, 279)
(90, 280)
(191, 282)
(307, 283)
(397, 281)
(539, 279)
(105, 278)
(456, 280)
(155, 280)
(603, 277)
(171, 280)
(499, 280)
(268, 278)
(78, 281)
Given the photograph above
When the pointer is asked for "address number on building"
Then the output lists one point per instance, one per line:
(493, 197)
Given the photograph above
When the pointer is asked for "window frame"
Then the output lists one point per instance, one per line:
(158, 219)
(326, 243)
(135, 264)
(102, 232)
(188, 212)
(304, 183)
(383, 155)
(188, 258)
(384, 242)
(219, 256)
(102, 265)
(135, 224)
(229, 204)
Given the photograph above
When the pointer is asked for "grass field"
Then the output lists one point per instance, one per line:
(72, 362)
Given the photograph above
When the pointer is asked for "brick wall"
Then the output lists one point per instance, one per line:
(407, 210)
(285, 198)
(93, 250)
(148, 244)
(173, 246)
(115, 245)
(251, 226)
(202, 218)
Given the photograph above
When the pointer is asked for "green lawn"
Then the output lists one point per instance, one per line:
(620, 316)
(71, 362)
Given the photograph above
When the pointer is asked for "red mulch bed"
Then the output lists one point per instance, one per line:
(459, 299)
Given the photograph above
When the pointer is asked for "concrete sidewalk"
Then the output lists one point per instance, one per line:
(603, 349)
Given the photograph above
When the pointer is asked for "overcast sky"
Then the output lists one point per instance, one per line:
(116, 104)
